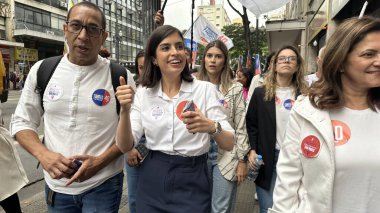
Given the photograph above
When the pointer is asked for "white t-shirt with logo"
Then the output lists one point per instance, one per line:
(284, 102)
(357, 160)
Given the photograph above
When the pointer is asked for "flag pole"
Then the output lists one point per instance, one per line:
(192, 33)
(363, 9)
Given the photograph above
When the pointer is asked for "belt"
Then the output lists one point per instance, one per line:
(176, 159)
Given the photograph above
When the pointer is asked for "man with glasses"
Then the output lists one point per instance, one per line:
(81, 161)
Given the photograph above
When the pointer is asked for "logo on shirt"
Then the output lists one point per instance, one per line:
(277, 100)
(54, 92)
(224, 103)
(101, 97)
(342, 133)
(288, 104)
(157, 112)
(180, 107)
(310, 146)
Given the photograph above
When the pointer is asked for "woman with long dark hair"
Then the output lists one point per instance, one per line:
(178, 115)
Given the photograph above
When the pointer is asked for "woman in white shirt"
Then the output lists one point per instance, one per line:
(329, 161)
(173, 176)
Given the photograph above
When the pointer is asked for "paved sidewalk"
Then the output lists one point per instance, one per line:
(245, 202)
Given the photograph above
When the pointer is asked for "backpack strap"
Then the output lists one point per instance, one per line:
(116, 71)
(44, 73)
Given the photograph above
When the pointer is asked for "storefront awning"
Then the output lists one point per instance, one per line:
(11, 43)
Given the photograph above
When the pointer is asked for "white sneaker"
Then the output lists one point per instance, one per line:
(256, 197)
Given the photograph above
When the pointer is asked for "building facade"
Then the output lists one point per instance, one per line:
(31, 30)
(317, 20)
(216, 14)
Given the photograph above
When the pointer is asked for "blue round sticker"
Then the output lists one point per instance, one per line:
(288, 104)
(101, 97)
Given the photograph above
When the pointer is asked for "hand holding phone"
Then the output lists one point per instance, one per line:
(189, 106)
(78, 163)
(141, 148)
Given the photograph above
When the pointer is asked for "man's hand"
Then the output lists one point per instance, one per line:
(124, 94)
(159, 19)
(56, 165)
(241, 172)
(90, 166)
(134, 158)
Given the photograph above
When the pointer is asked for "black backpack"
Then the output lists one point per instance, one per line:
(48, 66)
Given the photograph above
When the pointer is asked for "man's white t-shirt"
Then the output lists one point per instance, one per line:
(357, 164)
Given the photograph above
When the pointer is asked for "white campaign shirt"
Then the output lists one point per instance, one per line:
(357, 165)
(74, 124)
(284, 102)
(157, 116)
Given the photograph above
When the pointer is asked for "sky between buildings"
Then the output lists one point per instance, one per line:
(178, 12)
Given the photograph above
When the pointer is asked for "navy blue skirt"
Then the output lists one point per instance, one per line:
(172, 183)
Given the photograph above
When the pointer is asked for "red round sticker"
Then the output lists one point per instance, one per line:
(310, 146)
(277, 100)
(342, 133)
(180, 107)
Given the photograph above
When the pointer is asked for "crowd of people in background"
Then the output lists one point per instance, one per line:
(187, 137)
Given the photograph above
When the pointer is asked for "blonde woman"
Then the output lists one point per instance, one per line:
(267, 117)
(228, 168)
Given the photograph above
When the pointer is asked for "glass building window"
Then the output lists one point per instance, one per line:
(37, 18)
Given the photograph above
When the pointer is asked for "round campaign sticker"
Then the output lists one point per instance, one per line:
(54, 92)
(157, 112)
(277, 101)
(310, 146)
(180, 107)
(224, 103)
(342, 133)
(288, 104)
(101, 97)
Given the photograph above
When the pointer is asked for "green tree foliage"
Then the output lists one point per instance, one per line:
(236, 33)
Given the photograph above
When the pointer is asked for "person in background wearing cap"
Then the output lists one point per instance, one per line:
(80, 121)
(329, 161)
(268, 115)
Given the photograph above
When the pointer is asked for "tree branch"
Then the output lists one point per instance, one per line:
(237, 11)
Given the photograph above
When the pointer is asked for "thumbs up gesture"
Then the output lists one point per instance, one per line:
(124, 94)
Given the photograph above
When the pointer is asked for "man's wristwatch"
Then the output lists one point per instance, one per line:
(218, 129)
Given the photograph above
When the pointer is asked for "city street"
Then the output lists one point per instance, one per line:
(32, 198)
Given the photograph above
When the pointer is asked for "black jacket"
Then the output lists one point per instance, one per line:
(261, 129)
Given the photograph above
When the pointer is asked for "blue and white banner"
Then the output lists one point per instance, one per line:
(205, 32)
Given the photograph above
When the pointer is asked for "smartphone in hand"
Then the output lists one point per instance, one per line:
(141, 148)
(79, 164)
(189, 106)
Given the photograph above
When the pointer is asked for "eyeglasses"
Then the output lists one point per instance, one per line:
(76, 27)
(284, 59)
